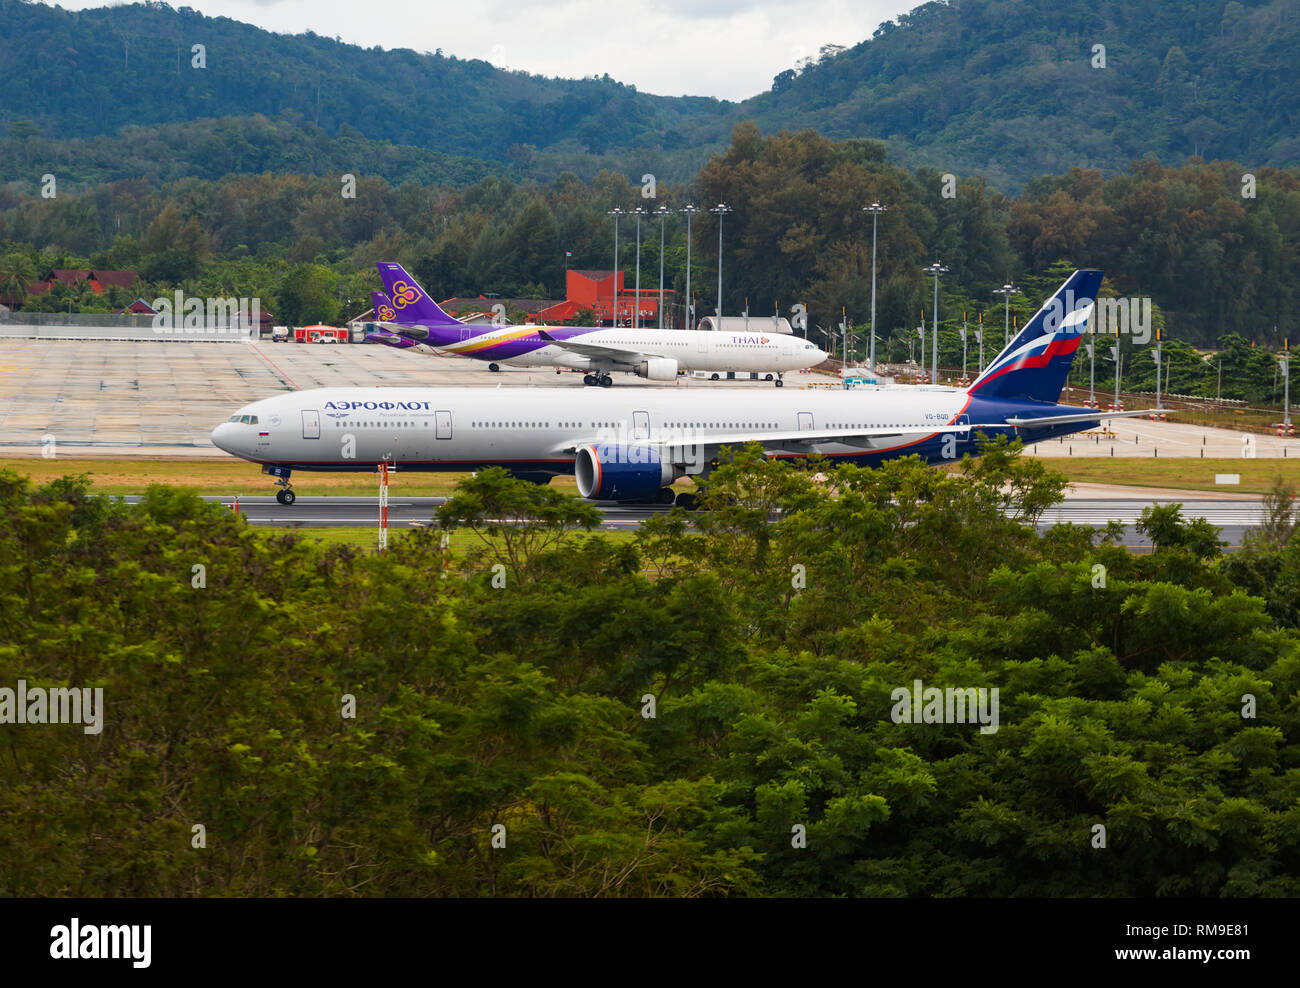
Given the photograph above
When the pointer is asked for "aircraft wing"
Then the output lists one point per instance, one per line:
(1082, 417)
(595, 350)
(866, 438)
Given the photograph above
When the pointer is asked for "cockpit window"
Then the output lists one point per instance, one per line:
(244, 419)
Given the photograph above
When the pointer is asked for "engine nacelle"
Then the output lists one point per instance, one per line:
(657, 369)
(618, 472)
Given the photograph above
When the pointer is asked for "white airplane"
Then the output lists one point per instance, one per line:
(410, 319)
(631, 445)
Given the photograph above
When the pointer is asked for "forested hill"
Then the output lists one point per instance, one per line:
(81, 74)
(1008, 88)
(1005, 88)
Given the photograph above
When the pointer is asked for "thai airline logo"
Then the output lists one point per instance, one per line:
(386, 314)
(404, 294)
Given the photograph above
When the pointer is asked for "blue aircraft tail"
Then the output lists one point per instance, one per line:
(411, 303)
(1034, 365)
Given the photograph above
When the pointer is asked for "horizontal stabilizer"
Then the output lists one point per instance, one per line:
(1096, 416)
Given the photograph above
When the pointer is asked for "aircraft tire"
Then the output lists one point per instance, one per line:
(666, 496)
(606, 381)
(286, 496)
(686, 500)
(494, 367)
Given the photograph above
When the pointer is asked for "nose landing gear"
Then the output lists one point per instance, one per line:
(285, 495)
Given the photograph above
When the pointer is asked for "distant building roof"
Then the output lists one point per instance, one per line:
(97, 278)
(123, 279)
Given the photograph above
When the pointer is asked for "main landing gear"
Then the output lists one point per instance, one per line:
(591, 380)
(494, 367)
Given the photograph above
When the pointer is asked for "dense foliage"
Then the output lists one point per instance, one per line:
(514, 691)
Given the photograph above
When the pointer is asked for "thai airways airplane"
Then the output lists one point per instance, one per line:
(631, 445)
(655, 354)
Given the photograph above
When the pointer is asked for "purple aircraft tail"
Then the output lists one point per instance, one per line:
(384, 311)
(410, 302)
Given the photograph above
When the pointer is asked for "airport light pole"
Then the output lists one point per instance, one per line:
(690, 211)
(662, 213)
(963, 346)
(979, 338)
(1155, 355)
(875, 209)
(1092, 376)
(616, 213)
(721, 209)
(1285, 363)
(935, 269)
(1006, 291)
(1115, 355)
(636, 308)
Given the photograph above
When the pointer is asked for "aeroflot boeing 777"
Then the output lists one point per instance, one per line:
(630, 445)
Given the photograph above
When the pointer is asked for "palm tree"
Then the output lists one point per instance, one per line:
(16, 273)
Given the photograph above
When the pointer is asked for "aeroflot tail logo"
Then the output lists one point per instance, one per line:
(404, 294)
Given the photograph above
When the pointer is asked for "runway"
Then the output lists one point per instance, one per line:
(1234, 517)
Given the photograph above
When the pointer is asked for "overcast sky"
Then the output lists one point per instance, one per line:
(725, 48)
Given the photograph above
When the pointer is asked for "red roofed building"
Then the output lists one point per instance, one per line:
(97, 279)
(603, 294)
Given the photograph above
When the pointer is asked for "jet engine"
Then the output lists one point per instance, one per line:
(657, 369)
(620, 472)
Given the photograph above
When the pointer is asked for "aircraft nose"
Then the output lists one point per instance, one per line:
(223, 437)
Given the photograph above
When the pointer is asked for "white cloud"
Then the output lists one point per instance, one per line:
(724, 48)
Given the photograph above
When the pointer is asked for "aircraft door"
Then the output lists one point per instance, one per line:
(640, 425)
(310, 423)
(442, 422)
(967, 436)
(805, 421)
(787, 347)
(703, 347)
